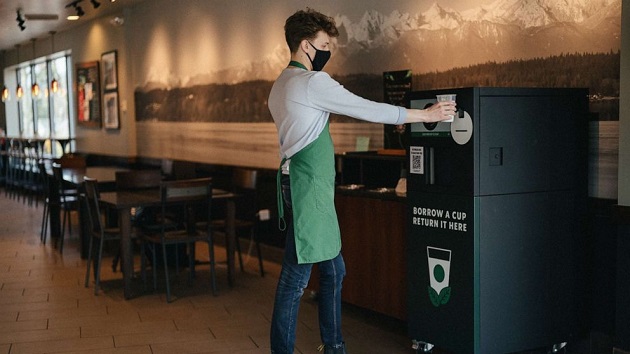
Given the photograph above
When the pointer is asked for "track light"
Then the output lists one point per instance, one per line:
(95, 3)
(75, 5)
(20, 20)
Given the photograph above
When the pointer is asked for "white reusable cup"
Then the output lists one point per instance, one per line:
(446, 98)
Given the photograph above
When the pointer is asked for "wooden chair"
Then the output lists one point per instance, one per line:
(68, 199)
(136, 180)
(98, 232)
(244, 183)
(193, 199)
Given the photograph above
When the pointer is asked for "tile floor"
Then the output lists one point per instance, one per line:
(44, 307)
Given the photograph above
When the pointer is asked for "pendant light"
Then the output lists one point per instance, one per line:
(54, 84)
(35, 86)
(5, 89)
(19, 91)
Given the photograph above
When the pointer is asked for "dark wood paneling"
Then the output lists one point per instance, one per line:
(373, 233)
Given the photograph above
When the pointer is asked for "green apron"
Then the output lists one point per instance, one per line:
(312, 171)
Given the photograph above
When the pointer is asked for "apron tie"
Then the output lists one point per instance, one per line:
(282, 224)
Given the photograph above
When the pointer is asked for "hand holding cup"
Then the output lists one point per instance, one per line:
(447, 98)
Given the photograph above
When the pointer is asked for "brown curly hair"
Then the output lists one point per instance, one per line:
(305, 25)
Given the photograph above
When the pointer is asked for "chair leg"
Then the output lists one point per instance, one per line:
(66, 219)
(154, 266)
(238, 251)
(89, 262)
(115, 262)
(191, 262)
(97, 267)
(143, 264)
(168, 284)
(44, 228)
(260, 260)
(213, 275)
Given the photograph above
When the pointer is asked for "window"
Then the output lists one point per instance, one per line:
(47, 114)
(40, 102)
(60, 117)
(25, 104)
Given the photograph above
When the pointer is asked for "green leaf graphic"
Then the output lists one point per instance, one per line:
(433, 295)
(445, 295)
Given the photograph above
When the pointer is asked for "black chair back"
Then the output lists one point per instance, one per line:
(138, 179)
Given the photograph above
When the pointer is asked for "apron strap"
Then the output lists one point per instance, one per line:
(282, 224)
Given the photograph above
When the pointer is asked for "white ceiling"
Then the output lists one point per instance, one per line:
(10, 33)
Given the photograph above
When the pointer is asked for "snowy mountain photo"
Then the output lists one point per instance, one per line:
(440, 38)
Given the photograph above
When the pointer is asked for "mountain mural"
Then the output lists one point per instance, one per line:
(442, 38)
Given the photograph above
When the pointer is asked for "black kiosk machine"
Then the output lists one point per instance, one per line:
(497, 201)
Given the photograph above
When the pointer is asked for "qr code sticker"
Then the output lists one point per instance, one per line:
(416, 159)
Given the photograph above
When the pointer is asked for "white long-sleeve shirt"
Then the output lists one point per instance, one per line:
(301, 102)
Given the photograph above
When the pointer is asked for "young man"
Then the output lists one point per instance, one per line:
(300, 102)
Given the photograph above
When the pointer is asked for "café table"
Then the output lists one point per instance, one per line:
(123, 201)
(106, 175)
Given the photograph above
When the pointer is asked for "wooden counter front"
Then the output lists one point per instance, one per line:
(373, 233)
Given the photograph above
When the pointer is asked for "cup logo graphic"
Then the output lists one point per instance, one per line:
(439, 272)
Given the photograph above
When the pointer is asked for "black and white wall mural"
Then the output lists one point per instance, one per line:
(211, 64)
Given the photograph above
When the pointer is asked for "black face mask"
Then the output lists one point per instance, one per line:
(321, 58)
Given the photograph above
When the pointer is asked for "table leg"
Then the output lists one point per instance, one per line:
(54, 205)
(230, 239)
(124, 217)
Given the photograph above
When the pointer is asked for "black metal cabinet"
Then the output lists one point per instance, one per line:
(497, 203)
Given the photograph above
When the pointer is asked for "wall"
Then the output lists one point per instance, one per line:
(624, 110)
(3, 120)
(87, 43)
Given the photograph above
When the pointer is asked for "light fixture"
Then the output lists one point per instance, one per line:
(35, 86)
(95, 4)
(20, 20)
(54, 84)
(19, 91)
(117, 21)
(79, 10)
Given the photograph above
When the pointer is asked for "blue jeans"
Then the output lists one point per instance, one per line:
(293, 279)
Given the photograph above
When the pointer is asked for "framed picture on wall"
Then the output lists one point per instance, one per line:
(88, 94)
(110, 70)
(109, 66)
(110, 110)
